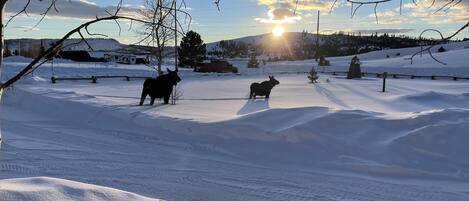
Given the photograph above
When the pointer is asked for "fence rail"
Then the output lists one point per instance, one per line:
(398, 75)
(94, 79)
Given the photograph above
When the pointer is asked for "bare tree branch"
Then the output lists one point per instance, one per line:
(443, 39)
(55, 47)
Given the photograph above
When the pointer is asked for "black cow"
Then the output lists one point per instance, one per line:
(263, 89)
(161, 87)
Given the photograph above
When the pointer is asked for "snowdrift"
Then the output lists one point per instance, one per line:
(46, 189)
(297, 145)
(430, 143)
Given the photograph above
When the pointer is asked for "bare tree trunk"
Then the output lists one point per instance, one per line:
(176, 36)
(2, 41)
(2, 44)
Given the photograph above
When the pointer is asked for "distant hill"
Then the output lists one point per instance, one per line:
(291, 44)
(268, 40)
(32, 47)
(97, 44)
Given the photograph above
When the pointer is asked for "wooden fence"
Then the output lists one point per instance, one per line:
(397, 75)
(94, 79)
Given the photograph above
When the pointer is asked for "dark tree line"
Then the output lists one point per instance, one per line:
(337, 44)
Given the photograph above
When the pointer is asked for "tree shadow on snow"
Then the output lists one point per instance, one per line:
(330, 96)
(255, 105)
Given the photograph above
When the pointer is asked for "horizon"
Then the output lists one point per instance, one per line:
(259, 17)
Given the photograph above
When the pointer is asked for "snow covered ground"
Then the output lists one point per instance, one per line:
(43, 189)
(336, 140)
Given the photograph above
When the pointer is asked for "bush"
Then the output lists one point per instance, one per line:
(253, 63)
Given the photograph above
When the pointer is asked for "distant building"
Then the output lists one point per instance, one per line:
(102, 50)
(120, 58)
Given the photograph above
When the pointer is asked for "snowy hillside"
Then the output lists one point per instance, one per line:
(97, 44)
(267, 40)
(336, 140)
(46, 189)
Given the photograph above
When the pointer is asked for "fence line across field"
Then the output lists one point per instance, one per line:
(398, 75)
(94, 79)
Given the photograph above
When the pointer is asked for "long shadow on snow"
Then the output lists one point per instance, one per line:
(252, 106)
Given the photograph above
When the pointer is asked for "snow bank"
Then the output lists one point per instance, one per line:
(321, 125)
(437, 99)
(216, 139)
(20, 59)
(45, 189)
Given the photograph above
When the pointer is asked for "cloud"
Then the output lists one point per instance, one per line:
(302, 5)
(388, 13)
(27, 28)
(453, 13)
(287, 11)
(74, 9)
(280, 15)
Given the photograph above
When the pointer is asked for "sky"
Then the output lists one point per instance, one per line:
(239, 18)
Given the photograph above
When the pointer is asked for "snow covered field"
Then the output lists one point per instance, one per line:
(336, 140)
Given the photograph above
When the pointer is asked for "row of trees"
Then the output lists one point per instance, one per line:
(305, 47)
(233, 49)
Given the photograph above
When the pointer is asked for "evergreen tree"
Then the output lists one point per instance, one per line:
(441, 49)
(355, 69)
(304, 47)
(323, 61)
(253, 63)
(313, 76)
(191, 50)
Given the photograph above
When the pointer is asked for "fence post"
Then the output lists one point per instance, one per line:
(53, 79)
(385, 75)
(94, 79)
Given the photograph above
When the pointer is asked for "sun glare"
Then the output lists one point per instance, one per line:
(278, 31)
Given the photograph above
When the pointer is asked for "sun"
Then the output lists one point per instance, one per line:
(278, 31)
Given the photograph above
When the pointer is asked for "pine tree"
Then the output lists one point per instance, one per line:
(191, 50)
(355, 69)
(253, 63)
(323, 61)
(441, 49)
(313, 76)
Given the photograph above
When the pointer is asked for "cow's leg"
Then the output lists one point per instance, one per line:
(250, 94)
(152, 100)
(267, 95)
(166, 99)
(144, 95)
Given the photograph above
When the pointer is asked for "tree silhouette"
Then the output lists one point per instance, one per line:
(191, 50)
(80, 31)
